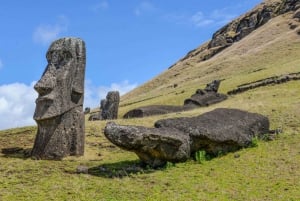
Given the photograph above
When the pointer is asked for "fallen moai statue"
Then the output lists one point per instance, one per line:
(207, 96)
(155, 110)
(202, 98)
(176, 140)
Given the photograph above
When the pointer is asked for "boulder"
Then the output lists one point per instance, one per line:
(152, 145)
(177, 139)
(221, 130)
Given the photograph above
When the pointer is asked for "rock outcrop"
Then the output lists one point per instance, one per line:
(175, 140)
(241, 27)
(59, 106)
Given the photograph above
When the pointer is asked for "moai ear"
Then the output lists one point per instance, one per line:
(78, 80)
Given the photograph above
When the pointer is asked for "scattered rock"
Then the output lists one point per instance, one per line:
(81, 169)
(59, 106)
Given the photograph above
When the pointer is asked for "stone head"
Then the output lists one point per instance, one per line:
(61, 86)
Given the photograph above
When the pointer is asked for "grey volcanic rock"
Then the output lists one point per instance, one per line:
(154, 110)
(207, 96)
(153, 146)
(110, 106)
(202, 98)
(221, 130)
(59, 106)
(213, 86)
(177, 139)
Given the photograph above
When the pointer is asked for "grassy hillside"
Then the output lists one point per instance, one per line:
(270, 171)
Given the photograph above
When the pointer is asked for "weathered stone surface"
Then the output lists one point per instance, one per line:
(202, 98)
(213, 86)
(153, 146)
(110, 106)
(219, 131)
(154, 110)
(59, 106)
(207, 96)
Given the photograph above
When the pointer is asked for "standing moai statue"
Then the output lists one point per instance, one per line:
(59, 106)
(110, 105)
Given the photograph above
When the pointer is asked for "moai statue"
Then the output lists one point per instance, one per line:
(59, 106)
(110, 105)
(213, 86)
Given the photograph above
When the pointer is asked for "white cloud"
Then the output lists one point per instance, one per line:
(217, 17)
(94, 94)
(200, 20)
(103, 5)
(144, 7)
(17, 104)
(17, 101)
(1, 64)
(46, 33)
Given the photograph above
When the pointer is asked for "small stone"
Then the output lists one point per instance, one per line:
(81, 169)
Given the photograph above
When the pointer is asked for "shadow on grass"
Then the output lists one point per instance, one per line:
(16, 152)
(120, 169)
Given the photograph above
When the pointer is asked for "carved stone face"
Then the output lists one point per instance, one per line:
(61, 86)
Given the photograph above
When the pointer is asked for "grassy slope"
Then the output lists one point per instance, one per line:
(270, 171)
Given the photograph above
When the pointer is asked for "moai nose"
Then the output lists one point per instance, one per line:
(46, 84)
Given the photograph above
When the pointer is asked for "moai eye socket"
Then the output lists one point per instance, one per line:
(59, 58)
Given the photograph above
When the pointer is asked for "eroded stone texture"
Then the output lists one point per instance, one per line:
(110, 106)
(154, 110)
(59, 106)
(207, 96)
(219, 131)
(152, 145)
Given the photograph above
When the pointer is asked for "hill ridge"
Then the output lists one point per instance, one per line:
(272, 19)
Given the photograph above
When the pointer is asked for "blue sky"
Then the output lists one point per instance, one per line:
(128, 43)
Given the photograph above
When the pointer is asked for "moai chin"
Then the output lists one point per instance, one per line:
(59, 106)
